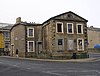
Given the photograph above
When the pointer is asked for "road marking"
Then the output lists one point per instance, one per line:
(28, 68)
(15, 65)
(50, 72)
(97, 71)
(58, 73)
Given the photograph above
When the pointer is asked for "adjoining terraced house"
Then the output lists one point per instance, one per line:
(93, 38)
(5, 38)
(61, 36)
(26, 39)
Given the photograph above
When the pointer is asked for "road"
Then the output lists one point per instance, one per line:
(94, 55)
(23, 67)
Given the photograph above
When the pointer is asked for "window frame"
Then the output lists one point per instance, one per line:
(60, 42)
(82, 44)
(61, 27)
(72, 28)
(28, 31)
(81, 28)
(28, 50)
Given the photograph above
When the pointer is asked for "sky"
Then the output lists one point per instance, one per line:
(40, 10)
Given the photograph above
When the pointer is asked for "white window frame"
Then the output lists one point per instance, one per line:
(82, 44)
(81, 28)
(57, 27)
(28, 46)
(28, 31)
(72, 28)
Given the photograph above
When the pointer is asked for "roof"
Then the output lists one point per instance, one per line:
(63, 14)
(26, 24)
(93, 28)
(7, 27)
(5, 24)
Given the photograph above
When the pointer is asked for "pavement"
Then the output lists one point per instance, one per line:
(53, 60)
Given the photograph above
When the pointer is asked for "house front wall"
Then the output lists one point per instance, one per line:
(35, 40)
(18, 41)
(1, 42)
(69, 41)
(93, 37)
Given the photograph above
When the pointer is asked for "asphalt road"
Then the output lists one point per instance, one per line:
(94, 55)
(22, 67)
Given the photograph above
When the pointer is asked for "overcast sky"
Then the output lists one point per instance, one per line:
(40, 10)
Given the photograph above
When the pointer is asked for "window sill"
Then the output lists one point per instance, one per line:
(31, 52)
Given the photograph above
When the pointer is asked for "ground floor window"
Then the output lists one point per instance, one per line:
(60, 45)
(30, 46)
(70, 45)
(60, 41)
(80, 44)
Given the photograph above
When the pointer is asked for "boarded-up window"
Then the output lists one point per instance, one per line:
(70, 44)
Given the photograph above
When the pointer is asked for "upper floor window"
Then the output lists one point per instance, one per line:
(70, 28)
(30, 32)
(79, 29)
(59, 27)
(6, 34)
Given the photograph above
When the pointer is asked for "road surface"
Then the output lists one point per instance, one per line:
(23, 67)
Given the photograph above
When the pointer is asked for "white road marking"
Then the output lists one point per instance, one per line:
(49, 72)
(28, 68)
(72, 71)
(15, 65)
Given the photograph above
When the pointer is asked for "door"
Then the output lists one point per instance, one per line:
(39, 47)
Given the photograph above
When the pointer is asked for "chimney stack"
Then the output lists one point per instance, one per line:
(18, 20)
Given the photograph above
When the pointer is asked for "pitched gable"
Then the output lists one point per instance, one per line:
(70, 16)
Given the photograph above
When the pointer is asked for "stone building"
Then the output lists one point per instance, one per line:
(65, 35)
(93, 37)
(61, 36)
(26, 38)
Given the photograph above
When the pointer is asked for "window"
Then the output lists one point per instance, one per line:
(59, 26)
(6, 34)
(80, 44)
(60, 41)
(79, 29)
(70, 45)
(70, 28)
(30, 32)
(31, 46)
